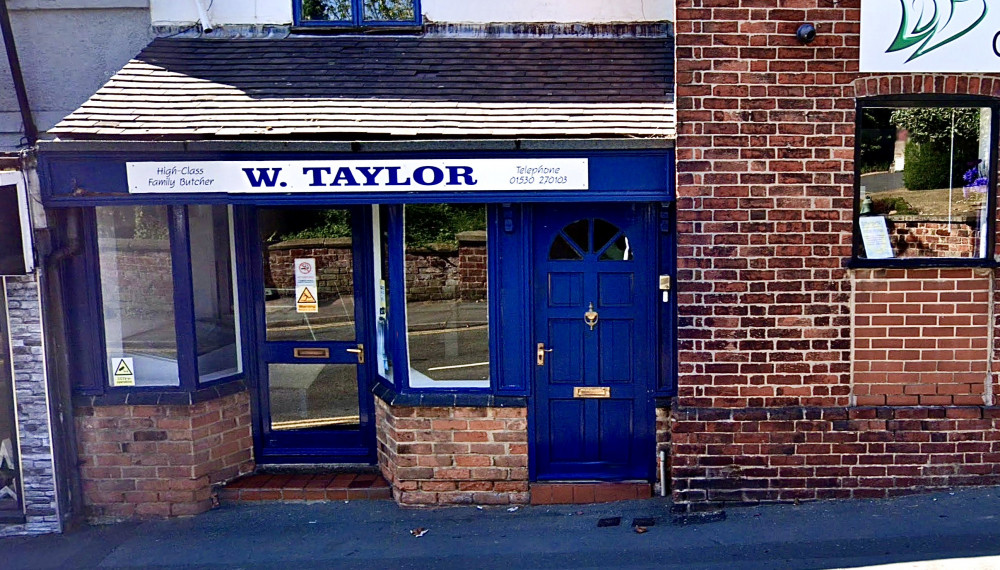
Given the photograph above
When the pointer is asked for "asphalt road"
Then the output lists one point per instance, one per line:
(943, 530)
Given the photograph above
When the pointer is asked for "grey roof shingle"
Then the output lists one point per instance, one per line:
(348, 86)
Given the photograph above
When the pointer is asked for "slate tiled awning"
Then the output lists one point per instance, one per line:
(385, 87)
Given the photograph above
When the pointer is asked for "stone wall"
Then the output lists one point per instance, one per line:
(152, 461)
(38, 475)
(454, 455)
(432, 273)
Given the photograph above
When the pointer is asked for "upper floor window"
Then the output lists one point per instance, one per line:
(357, 12)
(925, 181)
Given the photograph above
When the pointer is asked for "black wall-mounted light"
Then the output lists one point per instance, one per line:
(806, 33)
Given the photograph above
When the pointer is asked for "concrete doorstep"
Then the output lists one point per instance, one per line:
(944, 530)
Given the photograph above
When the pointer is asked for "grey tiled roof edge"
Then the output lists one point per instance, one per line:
(359, 87)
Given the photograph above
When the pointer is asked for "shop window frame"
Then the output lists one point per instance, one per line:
(396, 340)
(357, 20)
(937, 101)
(91, 317)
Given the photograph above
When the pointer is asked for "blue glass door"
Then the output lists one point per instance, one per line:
(595, 332)
(312, 274)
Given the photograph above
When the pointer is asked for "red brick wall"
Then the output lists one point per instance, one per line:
(454, 455)
(149, 461)
(788, 454)
(766, 308)
(930, 239)
(921, 337)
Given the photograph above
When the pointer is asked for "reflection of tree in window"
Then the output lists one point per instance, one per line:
(326, 10)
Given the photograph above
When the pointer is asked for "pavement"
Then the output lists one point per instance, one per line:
(956, 529)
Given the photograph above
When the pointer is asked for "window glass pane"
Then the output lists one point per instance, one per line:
(603, 233)
(924, 182)
(447, 312)
(324, 236)
(312, 396)
(216, 320)
(620, 250)
(137, 289)
(389, 10)
(562, 250)
(326, 10)
(578, 232)
(380, 221)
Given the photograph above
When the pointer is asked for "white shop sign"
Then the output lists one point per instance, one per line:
(272, 176)
(930, 36)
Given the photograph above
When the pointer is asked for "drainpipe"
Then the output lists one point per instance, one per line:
(30, 131)
(206, 25)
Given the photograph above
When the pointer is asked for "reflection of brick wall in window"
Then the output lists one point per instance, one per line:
(432, 274)
(921, 337)
(934, 239)
(144, 277)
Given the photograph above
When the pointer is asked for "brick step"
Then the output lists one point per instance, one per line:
(562, 493)
(286, 487)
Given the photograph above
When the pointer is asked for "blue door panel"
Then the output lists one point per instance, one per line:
(565, 362)
(566, 437)
(615, 427)
(615, 357)
(565, 289)
(578, 437)
(615, 290)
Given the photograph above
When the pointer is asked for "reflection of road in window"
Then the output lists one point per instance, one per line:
(447, 308)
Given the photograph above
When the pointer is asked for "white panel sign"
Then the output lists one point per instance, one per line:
(306, 300)
(875, 235)
(256, 177)
(930, 35)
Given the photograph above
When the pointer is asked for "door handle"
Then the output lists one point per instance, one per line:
(360, 351)
(540, 353)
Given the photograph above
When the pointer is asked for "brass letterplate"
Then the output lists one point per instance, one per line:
(591, 392)
(311, 352)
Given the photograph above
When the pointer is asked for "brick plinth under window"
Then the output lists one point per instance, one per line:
(750, 456)
(921, 336)
(454, 455)
(151, 461)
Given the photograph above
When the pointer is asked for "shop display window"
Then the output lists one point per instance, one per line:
(447, 295)
(356, 12)
(925, 182)
(169, 308)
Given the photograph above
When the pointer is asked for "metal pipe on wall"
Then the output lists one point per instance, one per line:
(30, 130)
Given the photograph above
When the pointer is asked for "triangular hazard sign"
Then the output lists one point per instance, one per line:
(123, 369)
(306, 296)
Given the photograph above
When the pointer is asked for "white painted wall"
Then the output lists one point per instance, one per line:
(471, 11)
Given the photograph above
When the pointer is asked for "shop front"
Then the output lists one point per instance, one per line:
(471, 322)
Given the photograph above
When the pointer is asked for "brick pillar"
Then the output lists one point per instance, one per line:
(473, 270)
(454, 455)
(149, 461)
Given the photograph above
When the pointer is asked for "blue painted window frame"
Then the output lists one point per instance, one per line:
(357, 18)
(396, 339)
(86, 313)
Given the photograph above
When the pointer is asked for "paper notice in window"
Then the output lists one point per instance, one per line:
(875, 235)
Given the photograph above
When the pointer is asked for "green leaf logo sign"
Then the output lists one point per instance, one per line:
(930, 24)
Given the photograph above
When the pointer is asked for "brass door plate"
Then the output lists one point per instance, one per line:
(591, 392)
(311, 352)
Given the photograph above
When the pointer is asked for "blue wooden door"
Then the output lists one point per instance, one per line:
(595, 332)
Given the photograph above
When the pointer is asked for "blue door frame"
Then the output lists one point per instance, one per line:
(600, 438)
(304, 446)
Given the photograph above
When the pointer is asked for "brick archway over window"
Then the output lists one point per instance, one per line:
(924, 84)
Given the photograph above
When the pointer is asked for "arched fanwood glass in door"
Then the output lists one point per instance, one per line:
(314, 396)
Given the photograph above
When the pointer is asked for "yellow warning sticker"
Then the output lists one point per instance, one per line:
(305, 300)
(123, 372)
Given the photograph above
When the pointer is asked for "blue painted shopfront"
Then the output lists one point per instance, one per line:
(579, 329)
